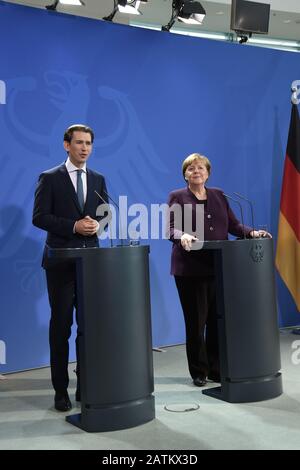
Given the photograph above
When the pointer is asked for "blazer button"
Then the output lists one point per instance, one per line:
(211, 229)
(208, 216)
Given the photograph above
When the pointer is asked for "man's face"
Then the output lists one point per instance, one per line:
(79, 148)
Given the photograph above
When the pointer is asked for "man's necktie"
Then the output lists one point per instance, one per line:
(80, 189)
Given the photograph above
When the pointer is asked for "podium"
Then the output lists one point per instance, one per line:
(115, 344)
(247, 321)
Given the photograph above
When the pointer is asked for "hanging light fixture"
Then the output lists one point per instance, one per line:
(54, 5)
(130, 7)
(186, 11)
(192, 13)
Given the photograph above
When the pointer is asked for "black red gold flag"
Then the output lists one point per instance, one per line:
(288, 244)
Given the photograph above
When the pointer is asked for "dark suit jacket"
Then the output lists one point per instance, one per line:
(56, 208)
(219, 220)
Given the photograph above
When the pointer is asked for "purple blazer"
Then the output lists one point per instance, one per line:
(219, 220)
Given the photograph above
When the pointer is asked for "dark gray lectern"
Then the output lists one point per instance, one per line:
(247, 321)
(114, 319)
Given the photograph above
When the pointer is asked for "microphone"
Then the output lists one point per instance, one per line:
(241, 210)
(110, 231)
(251, 208)
(120, 221)
(117, 206)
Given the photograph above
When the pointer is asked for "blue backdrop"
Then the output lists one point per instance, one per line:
(152, 99)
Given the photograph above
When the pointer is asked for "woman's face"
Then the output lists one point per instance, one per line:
(196, 173)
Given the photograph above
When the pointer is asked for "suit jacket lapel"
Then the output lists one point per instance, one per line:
(90, 188)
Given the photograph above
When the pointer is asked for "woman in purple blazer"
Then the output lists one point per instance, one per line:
(193, 269)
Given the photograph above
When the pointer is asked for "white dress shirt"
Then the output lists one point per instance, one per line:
(72, 170)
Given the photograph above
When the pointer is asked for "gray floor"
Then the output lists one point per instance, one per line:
(29, 421)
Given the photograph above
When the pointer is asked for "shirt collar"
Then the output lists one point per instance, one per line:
(70, 167)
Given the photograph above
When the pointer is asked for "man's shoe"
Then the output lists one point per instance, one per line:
(214, 377)
(199, 381)
(62, 402)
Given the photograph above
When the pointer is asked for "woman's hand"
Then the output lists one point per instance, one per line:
(186, 241)
(260, 234)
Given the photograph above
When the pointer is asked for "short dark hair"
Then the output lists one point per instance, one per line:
(77, 127)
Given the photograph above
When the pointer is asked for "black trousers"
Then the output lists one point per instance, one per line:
(198, 300)
(61, 283)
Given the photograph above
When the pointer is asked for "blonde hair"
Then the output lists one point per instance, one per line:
(192, 158)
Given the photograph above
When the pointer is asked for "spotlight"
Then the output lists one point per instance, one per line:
(186, 11)
(130, 7)
(54, 5)
(192, 13)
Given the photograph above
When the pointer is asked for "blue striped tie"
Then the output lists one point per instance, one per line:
(80, 189)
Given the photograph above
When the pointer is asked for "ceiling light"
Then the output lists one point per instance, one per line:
(130, 7)
(54, 5)
(186, 11)
(191, 13)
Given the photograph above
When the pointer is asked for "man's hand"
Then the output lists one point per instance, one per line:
(87, 226)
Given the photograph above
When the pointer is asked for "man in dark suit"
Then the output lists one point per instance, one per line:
(65, 206)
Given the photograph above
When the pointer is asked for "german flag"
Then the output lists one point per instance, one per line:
(288, 244)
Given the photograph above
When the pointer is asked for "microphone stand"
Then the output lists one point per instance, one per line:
(110, 230)
(251, 208)
(241, 210)
(120, 222)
